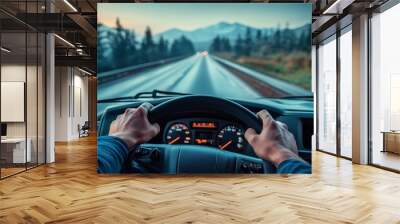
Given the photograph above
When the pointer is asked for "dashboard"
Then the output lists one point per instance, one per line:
(224, 133)
(221, 134)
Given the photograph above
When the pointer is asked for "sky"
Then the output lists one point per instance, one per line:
(189, 16)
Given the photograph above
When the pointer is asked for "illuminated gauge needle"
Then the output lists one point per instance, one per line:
(225, 145)
(175, 139)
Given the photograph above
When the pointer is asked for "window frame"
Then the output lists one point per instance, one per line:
(379, 10)
(338, 33)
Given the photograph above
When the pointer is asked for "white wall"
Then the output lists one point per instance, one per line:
(14, 72)
(17, 73)
(33, 126)
(13, 101)
(82, 82)
(62, 81)
(70, 83)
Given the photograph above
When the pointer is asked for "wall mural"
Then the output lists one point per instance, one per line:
(204, 88)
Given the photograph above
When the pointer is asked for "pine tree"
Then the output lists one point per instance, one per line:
(301, 41)
(308, 39)
(175, 51)
(304, 41)
(248, 43)
(148, 38)
(259, 35)
(182, 47)
(103, 49)
(239, 46)
(227, 45)
(277, 39)
(187, 46)
(162, 48)
(216, 44)
(123, 46)
(148, 48)
(131, 50)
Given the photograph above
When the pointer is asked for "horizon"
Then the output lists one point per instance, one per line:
(230, 23)
(256, 15)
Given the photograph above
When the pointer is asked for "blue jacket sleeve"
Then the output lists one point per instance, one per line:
(293, 166)
(111, 154)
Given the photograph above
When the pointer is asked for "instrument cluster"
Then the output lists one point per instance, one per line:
(221, 134)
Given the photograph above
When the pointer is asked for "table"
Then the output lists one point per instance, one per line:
(13, 150)
(391, 141)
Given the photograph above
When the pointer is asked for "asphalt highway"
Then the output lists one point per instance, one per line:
(198, 74)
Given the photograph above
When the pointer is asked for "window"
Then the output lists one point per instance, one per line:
(15, 147)
(346, 93)
(385, 88)
(22, 88)
(327, 96)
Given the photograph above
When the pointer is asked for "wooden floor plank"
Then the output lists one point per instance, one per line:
(70, 191)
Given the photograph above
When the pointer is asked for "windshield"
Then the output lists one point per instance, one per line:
(239, 51)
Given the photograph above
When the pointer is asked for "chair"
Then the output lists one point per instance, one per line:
(84, 130)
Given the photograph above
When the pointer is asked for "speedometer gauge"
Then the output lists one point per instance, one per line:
(178, 133)
(230, 138)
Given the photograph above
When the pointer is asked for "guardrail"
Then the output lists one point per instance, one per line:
(280, 85)
(104, 77)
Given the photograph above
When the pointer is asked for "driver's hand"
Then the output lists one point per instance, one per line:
(275, 143)
(133, 127)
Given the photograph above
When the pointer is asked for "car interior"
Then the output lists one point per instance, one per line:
(205, 134)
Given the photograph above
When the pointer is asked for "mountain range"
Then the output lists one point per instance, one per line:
(202, 37)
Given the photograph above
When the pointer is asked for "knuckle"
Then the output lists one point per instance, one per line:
(264, 113)
(147, 106)
(128, 110)
(139, 112)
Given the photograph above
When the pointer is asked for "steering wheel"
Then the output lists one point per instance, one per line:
(166, 158)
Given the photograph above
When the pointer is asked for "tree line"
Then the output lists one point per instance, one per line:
(119, 48)
(257, 43)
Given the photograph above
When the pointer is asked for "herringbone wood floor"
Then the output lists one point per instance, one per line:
(70, 191)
